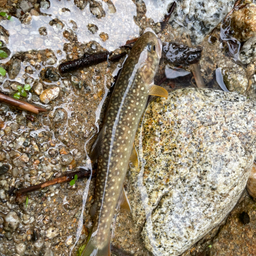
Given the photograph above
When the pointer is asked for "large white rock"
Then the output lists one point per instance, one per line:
(196, 150)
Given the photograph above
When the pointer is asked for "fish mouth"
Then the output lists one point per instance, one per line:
(159, 48)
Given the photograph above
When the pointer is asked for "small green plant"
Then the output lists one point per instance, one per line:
(2, 71)
(210, 246)
(26, 201)
(4, 14)
(22, 91)
(72, 182)
(3, 54)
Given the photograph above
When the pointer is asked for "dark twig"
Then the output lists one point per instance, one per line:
(82, 173)
(167, 16)
(196, 70)
(86, 60)
(21, 104)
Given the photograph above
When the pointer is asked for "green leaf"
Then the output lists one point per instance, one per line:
(9, 17)
(72, 182)
(19, 88)
(26, 201)
(2, 71)
(3, 14)
(23, 93)
(75, 178)
(27, 87)
(3, 54)
(210, 246)
(16, 95)
(1, 44)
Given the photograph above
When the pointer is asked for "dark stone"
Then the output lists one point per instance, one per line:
(4, 169)
(244, 218)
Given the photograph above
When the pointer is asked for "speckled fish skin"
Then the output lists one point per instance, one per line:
(126, 107)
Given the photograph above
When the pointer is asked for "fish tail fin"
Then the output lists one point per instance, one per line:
(92, 250)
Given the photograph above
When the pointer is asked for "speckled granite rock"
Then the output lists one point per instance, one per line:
(196, 151)
(196, 18)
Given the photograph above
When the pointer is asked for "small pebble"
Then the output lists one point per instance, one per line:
(52, 232)
(49, 94)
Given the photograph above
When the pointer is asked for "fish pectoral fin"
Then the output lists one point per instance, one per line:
(134, 161)
(156, 90)
(124, 202)
(96, 146)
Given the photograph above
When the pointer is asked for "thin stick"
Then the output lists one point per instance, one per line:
(21, 104)
(196, 70)
(82, 173)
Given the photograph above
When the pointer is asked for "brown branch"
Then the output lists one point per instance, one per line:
(82, 173)
(21, 104)
(196, 70)
(167, 16)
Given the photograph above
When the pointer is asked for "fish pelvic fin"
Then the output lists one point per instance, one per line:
(92, 250)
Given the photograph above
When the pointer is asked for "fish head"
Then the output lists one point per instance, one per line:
(149, 49)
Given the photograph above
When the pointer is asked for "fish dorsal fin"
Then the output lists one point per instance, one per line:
(124, 202)
(156, 90)
(134, 161)
(96, 146)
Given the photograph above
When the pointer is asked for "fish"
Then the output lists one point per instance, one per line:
(127, 104)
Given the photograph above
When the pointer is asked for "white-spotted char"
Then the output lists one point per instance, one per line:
(127, 104)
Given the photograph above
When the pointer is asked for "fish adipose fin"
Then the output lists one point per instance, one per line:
(156, 90)
(91, 250)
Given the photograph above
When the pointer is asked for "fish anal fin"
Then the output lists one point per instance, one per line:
(134, 161)
(124, 202)
(156, 90)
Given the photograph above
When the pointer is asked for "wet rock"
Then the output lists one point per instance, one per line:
(38, 88)
(235, 78)
(59, 115)
(20, 248)
(92, 28)
(97, 9)
(248, 51)
(14, 68)
(66, 159)
(52, 232)
(25, 5)
(57, 25)
(49, 94)
(196, 150)
(243, 22)
(195, 18)
(4, 169)
(50, 74)
(11, 221)
(2, 156)
(43, 31)
(104, 36)
(45, 4)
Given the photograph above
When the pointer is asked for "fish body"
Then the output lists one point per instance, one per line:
(127, 104)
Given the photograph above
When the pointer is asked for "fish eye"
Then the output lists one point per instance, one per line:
(151, 47)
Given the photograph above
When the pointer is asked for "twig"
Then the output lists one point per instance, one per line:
(167, 16)
(21, 104)
(196, 70)
(82, 173)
